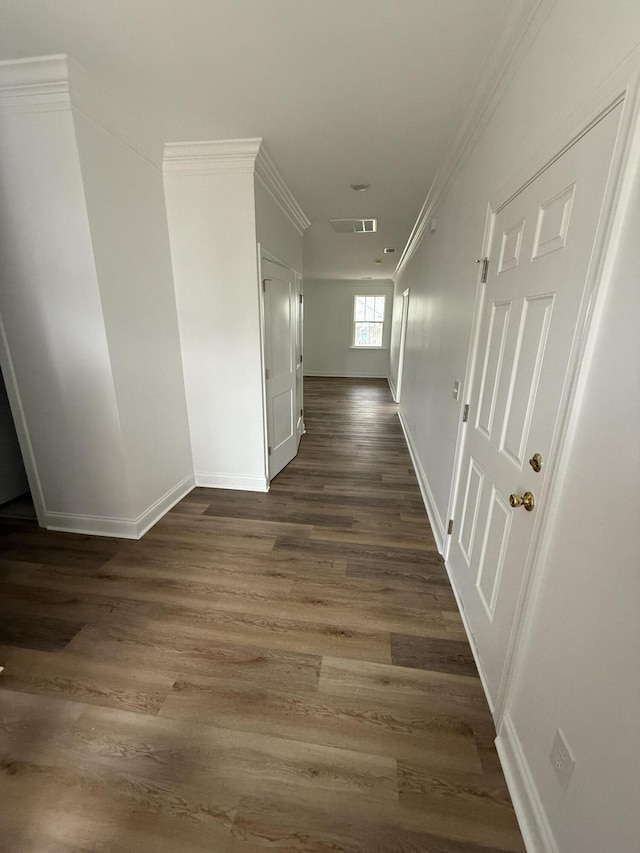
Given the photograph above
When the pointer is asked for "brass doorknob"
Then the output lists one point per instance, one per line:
(527, 501)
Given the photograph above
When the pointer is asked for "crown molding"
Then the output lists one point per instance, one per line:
(38, 84)
(273, 182)
(211, 157)
(519, 31)
(234, 156)
(56, 83)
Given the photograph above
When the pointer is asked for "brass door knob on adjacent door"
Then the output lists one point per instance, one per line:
(527, 501)
(536, 462)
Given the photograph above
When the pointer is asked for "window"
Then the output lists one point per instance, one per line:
(368, 321)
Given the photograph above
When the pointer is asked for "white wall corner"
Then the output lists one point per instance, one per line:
(241, 482)
(534, 826)
(54, 83)
(425, 489)
(273, 182)
(161, 507)
(392, 388)
(235, 156)
(520, 28)
(120, 528)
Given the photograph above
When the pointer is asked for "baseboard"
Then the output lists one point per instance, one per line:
(92, 525)
(120, 528)
(323, 374)
(536, 832)
(392, 388)
(162, 506)
(232, 481)
(425, 490)
(471, 639)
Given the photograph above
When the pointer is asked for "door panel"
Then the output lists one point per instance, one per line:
(493, 360)
(470, 507)
(525, 376)
(540, 256)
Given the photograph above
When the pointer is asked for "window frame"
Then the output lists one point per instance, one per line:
(381, 323)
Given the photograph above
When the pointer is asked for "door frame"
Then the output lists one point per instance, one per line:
(404, 320)
(622, 88)
(264, 255)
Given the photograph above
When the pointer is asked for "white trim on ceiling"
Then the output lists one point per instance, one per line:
(518, 33)
(273, 182)
(234, 156)
(56, 83)
(40, 84)
(211, 157)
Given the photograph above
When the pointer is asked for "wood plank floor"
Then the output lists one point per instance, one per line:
(282, 671)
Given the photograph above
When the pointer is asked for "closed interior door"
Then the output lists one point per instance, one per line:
(539, 260)
(279, 289)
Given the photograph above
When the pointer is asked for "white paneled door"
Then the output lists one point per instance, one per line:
(280, 346)
(539, 261)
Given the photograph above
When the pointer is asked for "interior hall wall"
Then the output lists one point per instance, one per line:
(328, 329)
(275, 231)
(54, 341)
(578, 668)
(128, 223)
(212, 231)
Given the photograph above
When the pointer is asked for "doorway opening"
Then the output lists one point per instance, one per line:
(15, 495)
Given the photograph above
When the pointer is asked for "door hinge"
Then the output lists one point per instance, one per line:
(301, 359)
(266, 373)
(465, 413)
(485, 269)
(264, 284)
(301, 413)
(450, 527)
(269, 449)
(300, 299)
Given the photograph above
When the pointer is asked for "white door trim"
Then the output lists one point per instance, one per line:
(467, 384)
(263, 384)
(622, 87)
(404, 321)
(264, 255)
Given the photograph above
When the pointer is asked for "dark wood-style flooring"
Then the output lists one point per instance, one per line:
(282, 671)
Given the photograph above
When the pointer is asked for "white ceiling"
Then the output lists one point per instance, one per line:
(340, 90)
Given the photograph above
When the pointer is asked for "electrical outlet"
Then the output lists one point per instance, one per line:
(562, 760)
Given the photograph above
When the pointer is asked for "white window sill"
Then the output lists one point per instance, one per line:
(353, 346)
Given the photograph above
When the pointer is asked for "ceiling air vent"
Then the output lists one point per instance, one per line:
(354, 226)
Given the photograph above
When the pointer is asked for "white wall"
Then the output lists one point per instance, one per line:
(274, 229)
(328, 331)
(56, 345)
(127, 219)
(580, 669)
(91, 349)
(213, 246)
(13, 477)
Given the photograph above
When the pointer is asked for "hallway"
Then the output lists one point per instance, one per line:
(261, 671)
